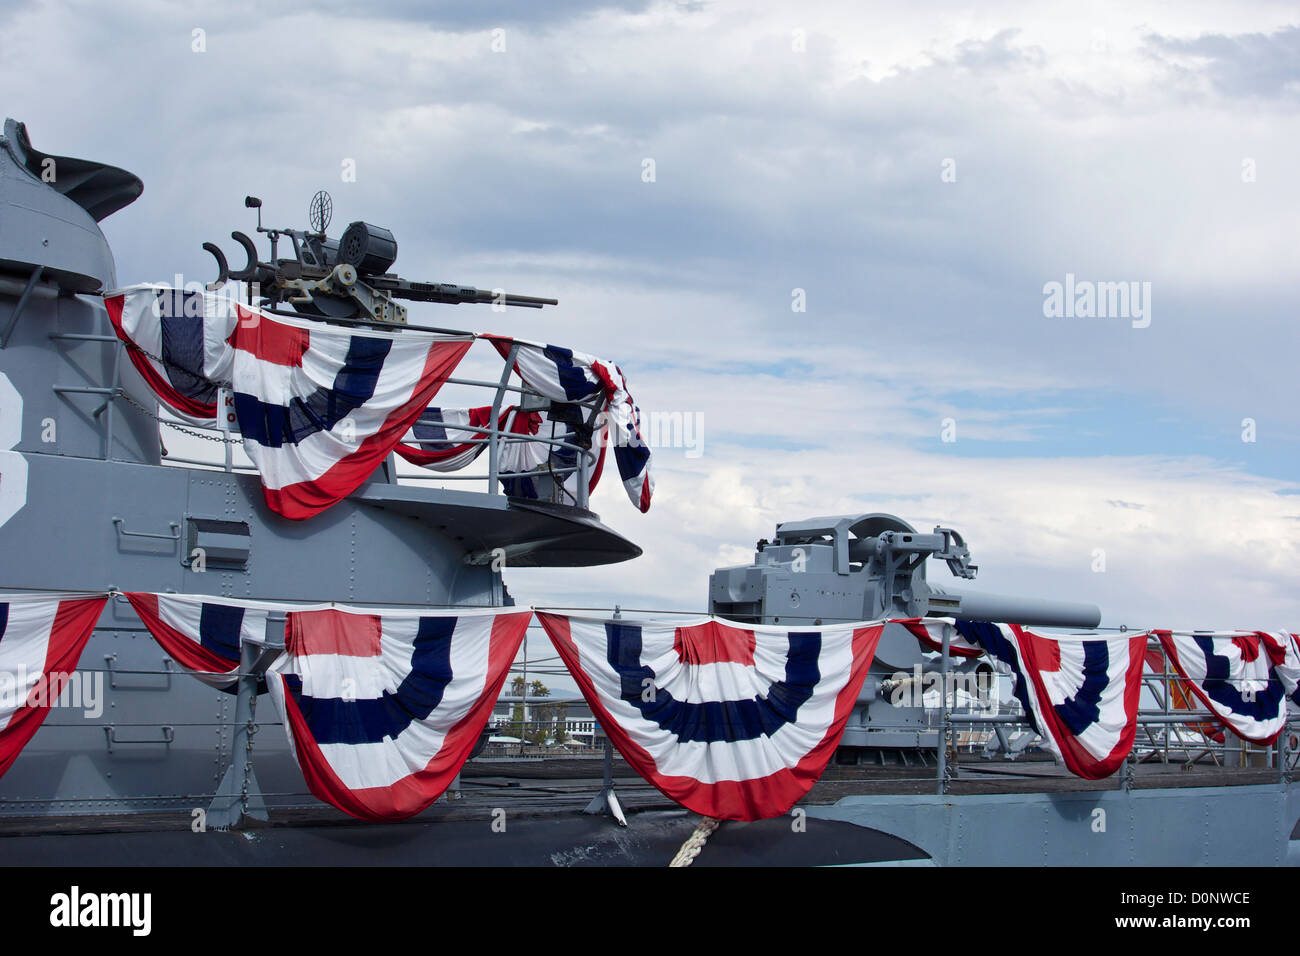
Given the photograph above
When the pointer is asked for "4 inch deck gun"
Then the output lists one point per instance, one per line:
(343, 278)
(868, 567)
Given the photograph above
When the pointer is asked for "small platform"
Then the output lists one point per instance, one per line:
(532, 534)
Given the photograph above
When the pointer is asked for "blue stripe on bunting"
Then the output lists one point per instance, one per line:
(333, 720)
(275, 425)
(182, 343)
(4, 620)
(1257, 705)
(430, 428)
(219, 627)
(1084, 709)
(631, 458)
(573, 378)
(724, 721)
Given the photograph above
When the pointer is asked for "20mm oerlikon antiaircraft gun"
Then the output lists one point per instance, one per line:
(867, 567)
(344, 278)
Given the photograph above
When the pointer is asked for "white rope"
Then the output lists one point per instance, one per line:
(695, 842)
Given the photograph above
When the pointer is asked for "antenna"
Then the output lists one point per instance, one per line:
(320, 212)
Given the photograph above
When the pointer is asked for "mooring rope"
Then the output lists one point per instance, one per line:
(695, 842)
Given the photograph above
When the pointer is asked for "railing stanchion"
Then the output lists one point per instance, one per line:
(494, 455)
(607, 801)
(947, 713)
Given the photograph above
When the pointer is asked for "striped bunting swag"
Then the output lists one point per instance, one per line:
(41, 640)
(565, 375)
(320, 407)
(1181, 695)
(1080, 693)
(178, 340)
(202, 634)
(1232, 673)
(383, 707)
(731, 722)
(448, 439)
(1284, 653)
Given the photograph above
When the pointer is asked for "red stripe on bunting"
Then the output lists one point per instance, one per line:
(714, 643)
(917, 629)
(74, 622)
(757, 799)
(268, 340)
(415, 792)
(332, 632)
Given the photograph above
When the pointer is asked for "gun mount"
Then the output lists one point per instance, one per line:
(344, 278)
(867, 567)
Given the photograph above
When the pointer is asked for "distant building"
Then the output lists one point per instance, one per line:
(581, 729)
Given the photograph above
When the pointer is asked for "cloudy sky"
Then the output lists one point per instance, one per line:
(920, 173)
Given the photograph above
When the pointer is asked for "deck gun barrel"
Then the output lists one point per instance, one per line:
(979, 606)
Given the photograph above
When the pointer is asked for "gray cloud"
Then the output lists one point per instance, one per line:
(1245, 65)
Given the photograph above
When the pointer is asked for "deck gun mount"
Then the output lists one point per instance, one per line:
(864, 568)
(343, 278)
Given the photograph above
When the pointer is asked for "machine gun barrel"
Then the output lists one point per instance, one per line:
(1019, 610)
(452, 294)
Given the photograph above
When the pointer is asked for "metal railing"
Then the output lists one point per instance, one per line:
(493, 436)
(551, 476)
(1165, 733)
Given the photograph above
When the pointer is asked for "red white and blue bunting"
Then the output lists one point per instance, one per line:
(320, 407)
(734, 722)
(202, 634)
(449, 439)
(1080, 693)
(383, 707)
(1180, 694)
(1284, 653)
(41, 640)
(565, 375)
(1233, 675)
(179, 341)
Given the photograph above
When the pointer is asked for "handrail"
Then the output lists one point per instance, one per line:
(490, 434)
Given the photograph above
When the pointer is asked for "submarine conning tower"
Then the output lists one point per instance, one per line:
(100, 488)
(54, 262)
(88, 468)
